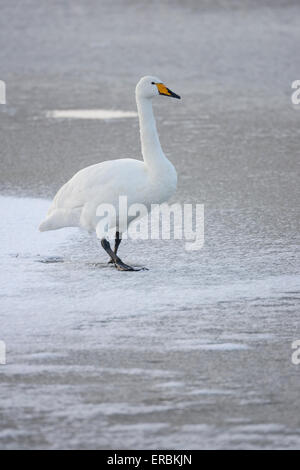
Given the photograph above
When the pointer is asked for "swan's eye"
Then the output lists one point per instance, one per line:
(152, 83)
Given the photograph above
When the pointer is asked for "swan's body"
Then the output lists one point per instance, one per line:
(147, 182)
(76, 202)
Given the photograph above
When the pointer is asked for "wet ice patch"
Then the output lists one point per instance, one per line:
(90, 114)
(50, 260)
(190, 344)
(223, 347)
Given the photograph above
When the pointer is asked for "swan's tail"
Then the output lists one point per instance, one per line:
(60, 218)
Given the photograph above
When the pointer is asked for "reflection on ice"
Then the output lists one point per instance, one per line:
(90, 114)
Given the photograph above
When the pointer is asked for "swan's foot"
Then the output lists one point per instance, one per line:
(125, 267)
(114, 259)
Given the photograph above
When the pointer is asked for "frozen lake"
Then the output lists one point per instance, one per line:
(184, 355)
(196, 352)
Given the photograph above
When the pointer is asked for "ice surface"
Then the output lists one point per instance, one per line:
(90, 114)
(86, 342)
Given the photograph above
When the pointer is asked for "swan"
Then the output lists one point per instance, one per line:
(151, 181)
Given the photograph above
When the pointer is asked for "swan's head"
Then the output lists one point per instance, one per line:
(149, 87)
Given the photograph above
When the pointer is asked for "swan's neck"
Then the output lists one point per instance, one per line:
(152, 152)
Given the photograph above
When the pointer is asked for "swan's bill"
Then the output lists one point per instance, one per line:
(163, 90)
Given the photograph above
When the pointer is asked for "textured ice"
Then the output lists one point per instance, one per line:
(85, 341)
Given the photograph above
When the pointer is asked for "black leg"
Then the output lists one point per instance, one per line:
(118, 240)
(116, 260)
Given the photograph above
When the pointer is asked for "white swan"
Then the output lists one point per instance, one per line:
(152, 181)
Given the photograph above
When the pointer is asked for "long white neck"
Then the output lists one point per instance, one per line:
(153, 155)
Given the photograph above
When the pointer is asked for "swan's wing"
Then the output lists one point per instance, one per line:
(96, 184)
(100, 183)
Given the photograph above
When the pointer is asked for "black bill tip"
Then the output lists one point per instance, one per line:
(173, 95)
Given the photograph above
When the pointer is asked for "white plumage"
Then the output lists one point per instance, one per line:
(147, 182)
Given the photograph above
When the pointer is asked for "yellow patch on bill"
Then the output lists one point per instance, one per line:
(163, 90)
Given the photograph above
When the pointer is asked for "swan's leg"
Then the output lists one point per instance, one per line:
(117, 261)
(118, 240)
